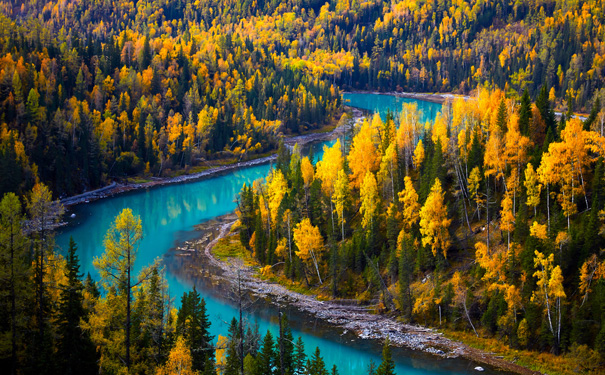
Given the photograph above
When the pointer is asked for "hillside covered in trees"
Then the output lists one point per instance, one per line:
(54, 321)
(92, 91)
(490, 219)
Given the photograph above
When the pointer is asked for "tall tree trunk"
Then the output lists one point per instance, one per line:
(548, 205)
(281, 344)
(487, 210)
(13, 306)
(241, 322)
(128, 291)
(469, 318)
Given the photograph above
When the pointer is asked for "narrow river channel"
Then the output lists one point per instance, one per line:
(169, 214)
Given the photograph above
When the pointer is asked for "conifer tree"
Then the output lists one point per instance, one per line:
(76, 352)
(15, 273)
(387, 366)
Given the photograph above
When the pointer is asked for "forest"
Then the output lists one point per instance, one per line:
(490, 219)
(55, 321)
(95, 91)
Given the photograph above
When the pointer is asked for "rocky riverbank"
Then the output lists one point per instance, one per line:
(350, 318)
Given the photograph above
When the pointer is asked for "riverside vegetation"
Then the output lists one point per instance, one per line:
(93, 91)
(54, 322)
(488, 220)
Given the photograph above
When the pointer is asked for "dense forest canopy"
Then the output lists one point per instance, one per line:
(489, 219)
(96, 90)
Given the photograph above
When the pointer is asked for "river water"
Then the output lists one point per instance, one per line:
(169, 214)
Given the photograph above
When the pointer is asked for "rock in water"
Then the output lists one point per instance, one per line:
(479, 368)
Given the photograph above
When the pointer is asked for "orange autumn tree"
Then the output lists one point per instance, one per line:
(341, 194)
(409, 132)
(409, 198)
(369, 200)
(565, 165)
(549, 291)
(363, 156)
(327, 171)
(179, 360)
(533, 187)
(434, 223)
(310, 244)
(277, 187)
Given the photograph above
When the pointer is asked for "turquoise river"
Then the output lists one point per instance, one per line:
(169, 214)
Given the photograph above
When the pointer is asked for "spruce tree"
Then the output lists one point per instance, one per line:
(525, 113)
(76, 353)
(266, 356)
(387, 366)
(300, 358)
(15, 271)
(193, 324)
(316, 365)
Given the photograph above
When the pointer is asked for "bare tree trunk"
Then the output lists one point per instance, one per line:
(281, 344)
(469, 318)
(316, 266)
(548, 205)
(241, 322)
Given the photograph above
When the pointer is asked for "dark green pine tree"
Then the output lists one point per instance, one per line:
(316, 365)
(525, 113)
(266, 357)
(75, 351)
(10, 170)
(300, 358)
(193, 324)
(285, 348)
(91, 287)
(387, 366)
(546, 111)
(232, 365)
(594, 111)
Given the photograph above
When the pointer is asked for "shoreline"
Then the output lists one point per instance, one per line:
(350, 318)
(427, 97)
(118, 188)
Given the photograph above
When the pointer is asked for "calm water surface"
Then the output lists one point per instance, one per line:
(169, 214)
(385, 103)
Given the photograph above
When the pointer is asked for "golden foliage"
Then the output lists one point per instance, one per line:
(434, 224)
(363, 156)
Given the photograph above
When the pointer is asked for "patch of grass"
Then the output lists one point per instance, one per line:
(229, 248)
(138, 180)
(543, 362)
(294, 286)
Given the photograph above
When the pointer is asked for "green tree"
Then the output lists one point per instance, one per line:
(44, 213)
(193, 324)
(316, 364)
(15, 269)
(387, 366)
(116, 264)
(300, 358)
(75, 350)
(266, 357)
